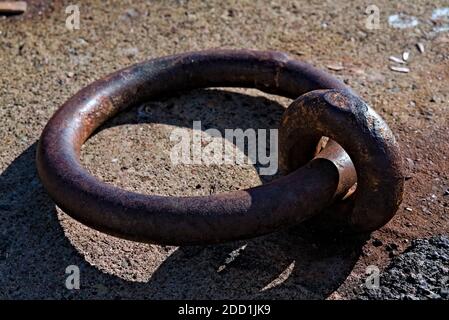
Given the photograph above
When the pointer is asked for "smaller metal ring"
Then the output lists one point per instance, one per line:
(345, 118)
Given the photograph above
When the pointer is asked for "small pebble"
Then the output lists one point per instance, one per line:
(405, 55)
(335, 67)
(130, 52)
(396, 59)
(420, 47)
(132, 13)
(400, 69)
(409, 209)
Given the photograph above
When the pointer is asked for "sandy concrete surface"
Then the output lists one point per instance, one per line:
(43, 64)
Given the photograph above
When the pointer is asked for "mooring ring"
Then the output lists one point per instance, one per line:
(372, 147)
(186, 220)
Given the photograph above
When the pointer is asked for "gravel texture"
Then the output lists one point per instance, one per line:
(421, 272)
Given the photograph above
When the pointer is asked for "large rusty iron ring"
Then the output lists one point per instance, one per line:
(291, 199)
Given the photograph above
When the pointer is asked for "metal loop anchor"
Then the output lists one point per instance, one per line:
(372, 147)
(289, 200)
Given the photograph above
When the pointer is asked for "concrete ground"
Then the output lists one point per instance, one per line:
(43, 63)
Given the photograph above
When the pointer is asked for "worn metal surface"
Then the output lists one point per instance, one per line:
(345, 118)
(190, 220)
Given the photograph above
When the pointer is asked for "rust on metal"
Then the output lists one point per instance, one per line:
(312, 184)
(363, 134)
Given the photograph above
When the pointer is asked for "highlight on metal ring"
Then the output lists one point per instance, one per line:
(291, 199)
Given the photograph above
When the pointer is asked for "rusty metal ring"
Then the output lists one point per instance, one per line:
(187, 220)
(345, 118)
